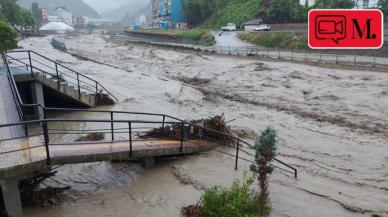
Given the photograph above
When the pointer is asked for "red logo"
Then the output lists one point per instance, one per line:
(345, 29)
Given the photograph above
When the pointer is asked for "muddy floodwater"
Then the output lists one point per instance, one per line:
(332, 125)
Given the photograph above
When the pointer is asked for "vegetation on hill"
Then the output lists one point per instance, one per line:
(217, 13)
(77, 7)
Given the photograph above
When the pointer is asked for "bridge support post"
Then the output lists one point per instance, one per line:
(37, 98)
(147, 162)
(11, 198)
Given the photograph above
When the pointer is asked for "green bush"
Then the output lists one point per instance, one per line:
(194, 34)
(238, 201)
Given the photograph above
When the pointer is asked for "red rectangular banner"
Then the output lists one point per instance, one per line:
(345, 29)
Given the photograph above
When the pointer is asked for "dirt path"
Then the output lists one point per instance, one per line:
(332, 126)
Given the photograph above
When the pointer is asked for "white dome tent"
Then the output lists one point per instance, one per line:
(56, 27)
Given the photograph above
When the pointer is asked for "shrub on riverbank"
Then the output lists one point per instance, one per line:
(238, 201)
(286, 40)
(200, 35)
(91, 137)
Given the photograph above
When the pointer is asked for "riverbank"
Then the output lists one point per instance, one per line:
(298, 41)
(341, 166)
(192, 36)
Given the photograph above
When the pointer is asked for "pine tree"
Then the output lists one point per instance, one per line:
(265, 147)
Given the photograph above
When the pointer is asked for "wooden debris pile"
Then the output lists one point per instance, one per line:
(104, 99)
(31, 192)
(216, 123)
(191, 211)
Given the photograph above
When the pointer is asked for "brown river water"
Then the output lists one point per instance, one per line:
(327, 121)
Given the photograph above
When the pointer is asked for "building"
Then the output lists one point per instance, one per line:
(80, 22)
(143, 19)
(64, 15)
(250, 25)
(167, 10)
(45, 16)
(53, 18)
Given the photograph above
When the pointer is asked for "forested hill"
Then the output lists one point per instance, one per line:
(217, 13)
(77, 7)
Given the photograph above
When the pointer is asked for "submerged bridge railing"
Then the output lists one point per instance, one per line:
(120, 126)
(37, 63)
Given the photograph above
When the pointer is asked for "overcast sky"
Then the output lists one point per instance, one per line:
(106, 5)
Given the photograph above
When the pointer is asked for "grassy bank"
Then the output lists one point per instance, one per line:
(284, 40)
(203, 36)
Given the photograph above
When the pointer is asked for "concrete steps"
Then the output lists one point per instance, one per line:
(68, 89)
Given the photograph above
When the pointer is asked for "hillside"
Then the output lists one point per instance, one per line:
(129, 19)
(75, 6)
(131, 8)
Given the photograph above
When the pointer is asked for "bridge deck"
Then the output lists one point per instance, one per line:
(8, 111)
(83, 152)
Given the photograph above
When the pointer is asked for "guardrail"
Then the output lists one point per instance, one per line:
(271, 53)
(35, 62)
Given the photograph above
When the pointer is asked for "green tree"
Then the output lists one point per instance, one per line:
(383, 6)
(8, 38)
(2, 17)
(28, 19)
(36, 12)
(280, 10)
(12, 12)
(265, 147)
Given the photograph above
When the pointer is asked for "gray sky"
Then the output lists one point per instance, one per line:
(106, 5)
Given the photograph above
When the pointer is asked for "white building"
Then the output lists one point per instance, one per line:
(64, 15)
(53, 18)
(143, 19)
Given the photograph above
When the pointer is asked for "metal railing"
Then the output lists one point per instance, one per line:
(186, 130)
(37, 63)
(257, 51)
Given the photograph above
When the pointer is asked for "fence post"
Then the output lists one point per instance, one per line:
(79, 87)
(164, 117)
(238, 148)
(336, 59)
(267, 53)
(130, 138)
(56, 69)
(374, 61)
(355, 56)
(213, 47)
(320, 56)
(305, 56)
(96, 88)
(181, 149)
(292, 55)
(29, 57)
(238, 48)
(46, 142)
(221, 49)
(111, 126)
(279, 55)
(229, 49)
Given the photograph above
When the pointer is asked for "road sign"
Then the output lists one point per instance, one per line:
(345, 29)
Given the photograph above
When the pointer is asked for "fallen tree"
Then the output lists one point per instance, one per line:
(217, 123)
(32, 193)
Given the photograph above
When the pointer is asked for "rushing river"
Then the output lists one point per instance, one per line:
(341, 169)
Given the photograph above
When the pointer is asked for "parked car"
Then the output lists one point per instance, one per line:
(229, 27)
(263, 27)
